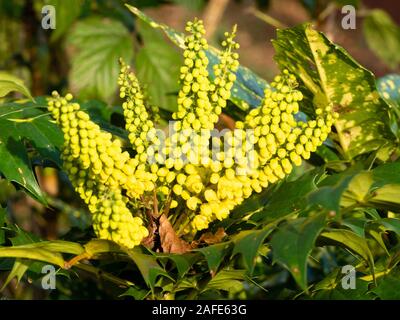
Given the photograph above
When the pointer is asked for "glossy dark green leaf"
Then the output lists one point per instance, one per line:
(329, 196)
(329, 75)
(388, 287)
(148, 266)
(293, 242)
(357, 225)
(327, 154)
(227, 280)
(247, 243)
(23, 123)
(215, 254)
(22, 237)
(288, 198)
(391, 224)
(376, 232)
(14, 161)
(387, 173)
(250, 205)
(183, 262)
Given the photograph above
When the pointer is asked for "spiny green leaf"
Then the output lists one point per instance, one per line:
(350, 241)
(376, 231)
(388, 287)
(387, 173)
(215, 254)
(227, 280)
(22, 237)
(183, 262)
(357, 225)
(136, 292)
(376, 188)
(148, 266)
(288, 198)
(293, 242)
(247, 244)
(14, 161)
(329, 75)
(20, 123)
(329, 194)
(391, 224)
(19, 268)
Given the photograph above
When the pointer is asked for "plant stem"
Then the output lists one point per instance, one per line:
(267, 19)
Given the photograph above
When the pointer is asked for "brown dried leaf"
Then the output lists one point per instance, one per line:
(212, 238)
(149, 241)
(170, 242)
(225, 122)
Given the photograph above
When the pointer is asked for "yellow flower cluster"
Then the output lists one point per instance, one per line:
(182, 169)
(261, 150)
(114, 221)
(99, 169)
(139, 124)
(200, 101)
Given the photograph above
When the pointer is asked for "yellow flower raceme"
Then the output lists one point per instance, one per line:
(201, 175)
(97, 166)
(139, 124)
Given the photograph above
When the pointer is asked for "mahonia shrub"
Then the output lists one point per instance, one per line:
(194, 175)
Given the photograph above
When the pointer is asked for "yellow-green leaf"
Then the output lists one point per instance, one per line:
(9, 83)
(330, 76)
